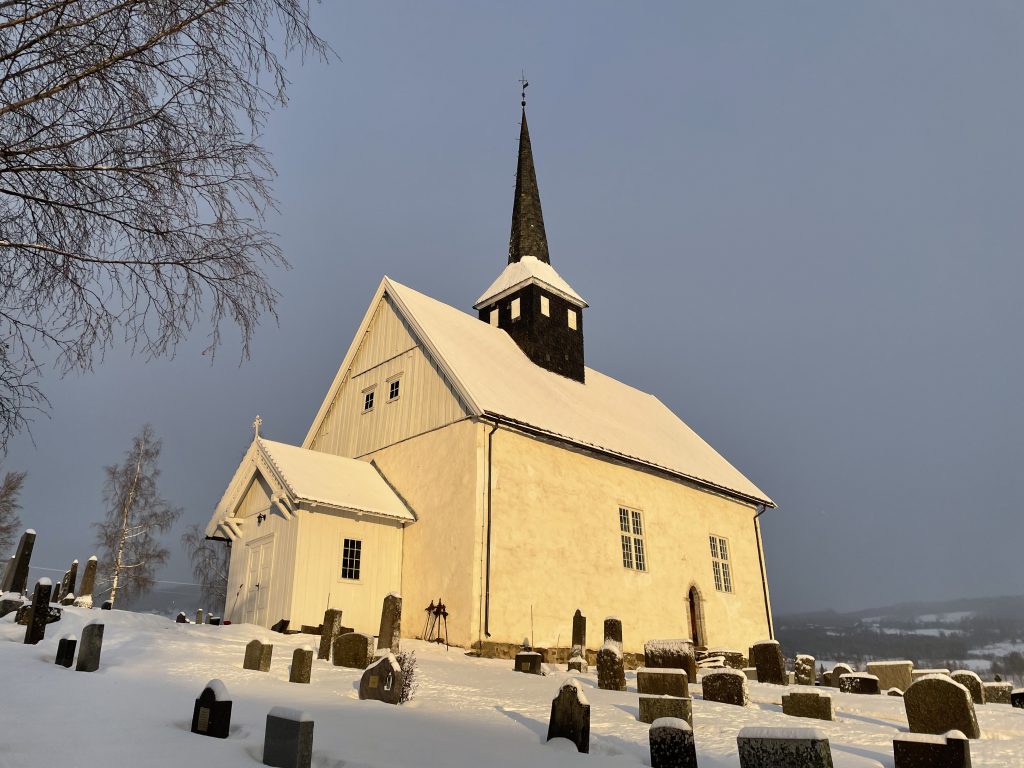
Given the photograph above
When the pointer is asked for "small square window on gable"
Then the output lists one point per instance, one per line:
(515, 308)
(494, 316)
(545, 306)
(394, 389)
(572, 318)
(368, 399)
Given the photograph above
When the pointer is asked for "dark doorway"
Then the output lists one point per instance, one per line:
(697, 631)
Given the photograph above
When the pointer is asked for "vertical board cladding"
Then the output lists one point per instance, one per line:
(387, 352)
(256, 501)
(438, 474)
(317, 568)
(555, 505)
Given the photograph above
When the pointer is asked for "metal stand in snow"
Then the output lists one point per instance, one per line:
(437, 621)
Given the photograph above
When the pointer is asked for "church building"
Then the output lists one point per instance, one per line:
(477, 461)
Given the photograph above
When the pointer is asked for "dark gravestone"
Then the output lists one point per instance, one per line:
(51, 611)
(726, 686)
(578, 664)
(211, 715)
(936, 704)
(8, 574)
(382, 680)
(972, 683)
(302, 665)
(107, 606)
(181, 618)
(330, 630)
(289, 739)
(997, 693)
(84, 599)
(570, 716)
(611, 672)
(671, 654)
(38, 612)
(812, 704)
(55, 595)
(353, 650)
(803, 669)
(730, 659)
(22, 557)
(281, 626)
(952, 750)
(837, 672)
(68, 599)
(657, 707)
(11, 605)
(672, 744)
(529, 662)
(790, 747)
(90, 648)
(390, 633)
(766, 657)
(579, 632)
(1017, 698)
(613, 630)
(663, 682)
(68, 587)
(215, 621)
(258, 656)
(66, 651)
(859, 682)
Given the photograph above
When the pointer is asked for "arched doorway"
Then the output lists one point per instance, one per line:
(697, 631)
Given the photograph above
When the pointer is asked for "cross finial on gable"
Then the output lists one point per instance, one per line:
(256, 424)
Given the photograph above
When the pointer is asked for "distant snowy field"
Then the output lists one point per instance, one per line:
(468, 713)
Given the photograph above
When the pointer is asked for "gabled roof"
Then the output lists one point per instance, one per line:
(528, 269)
(493, 377)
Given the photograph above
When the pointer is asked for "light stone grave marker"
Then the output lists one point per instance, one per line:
(726, 686)
(937, 704)
(353, 650)
(302, 666)
(892, 674)
(972, 683)
(258, 656)
(812, 704)
(803, 669)
(84, 599)
(329, 632)
(390, 633)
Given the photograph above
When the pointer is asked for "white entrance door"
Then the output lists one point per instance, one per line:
(258, 580)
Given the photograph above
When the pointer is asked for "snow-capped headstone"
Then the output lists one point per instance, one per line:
(90, 648)
(766, 657)
(38, 613)
(767, 747)
(919, 673)
(84, 599)
(654, 707)
(382, 680)
(726, 686)
(613, 630)
(937, 704)
(66, 651)
(199, 616)
(68, 599)
(281, 626)
(329, 632)
(670, 654)
(837, 673)
(288, 742)
(181, 618)
(211, 715)
(353, 650)
(579, 632)
(663, 682)
(972, 683)
(390, 633)
(611, 670)
(22, 558)
(892, 674)
(672, 744)
(803, 669)
(53, 613)
(70, 582)
(55, 594)
(812, 704)
(951, 750)
(859, 682)
(570, 716)
(258, 656)
(215, 621)
(728, 658)
(302, 665)
(529, 662)
(998, 693)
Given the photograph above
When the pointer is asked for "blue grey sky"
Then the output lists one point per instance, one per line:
(797, 223)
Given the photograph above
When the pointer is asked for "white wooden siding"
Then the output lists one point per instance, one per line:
(426, 401)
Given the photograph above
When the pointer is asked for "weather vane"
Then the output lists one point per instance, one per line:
(526, 84)
(256, 424)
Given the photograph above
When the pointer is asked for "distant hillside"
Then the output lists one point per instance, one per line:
(167, 600)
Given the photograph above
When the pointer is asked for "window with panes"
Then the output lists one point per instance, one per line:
(720, 563)
(351, 559)
(631, 533)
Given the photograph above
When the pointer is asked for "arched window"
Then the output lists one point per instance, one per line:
(698, 633)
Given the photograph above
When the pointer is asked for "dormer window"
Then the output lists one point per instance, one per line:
(515, 308)
(572, 318)
(545, 306)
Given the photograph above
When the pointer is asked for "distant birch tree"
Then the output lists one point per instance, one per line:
(209, 561)
(133, 186)
(10, 503)
(136, 514)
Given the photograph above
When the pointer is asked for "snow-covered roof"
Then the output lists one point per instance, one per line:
(496, 378)
(528, 269)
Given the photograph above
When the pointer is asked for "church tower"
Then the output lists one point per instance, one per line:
(530, 300)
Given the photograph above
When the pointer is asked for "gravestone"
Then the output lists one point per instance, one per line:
(570, 716)
(90, 648)
(838, 671)
(11, 604)
(812, 704)
(663, 682)
(767, 747)
(892, 674)
(353, 650)
(803, 669)
(894, 692)
(937, 704)
(671, 654)
(672, 744)
(22, 557)
(390, 632)
(302, 665)
(181, 618)
(215, 621)
(84, 599)
(918, 673)
(726, 686)
(329, 632)
(281, 626)
(68, 599)
(613, 630)
(997, 693)
(826, 679)
(38, 612)
(766, 657)
(24, 613)
(199, 616)
(66, 651)
(750, 672)
(211, 715)
(258, 656)
(67, 586)
(972, 683)
(859, 682)
(578, 664)
(8, 573)
(288, 742)
(730, 658)
(529, 662)
(611, 671)
(1017, 698)
(913, 750)
(55, 595)
(656, 707)
(107, 606)
(382, 680)
(579, 633)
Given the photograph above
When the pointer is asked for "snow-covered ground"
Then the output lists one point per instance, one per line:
(468, 713)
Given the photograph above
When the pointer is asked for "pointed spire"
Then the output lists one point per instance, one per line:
(528, 237)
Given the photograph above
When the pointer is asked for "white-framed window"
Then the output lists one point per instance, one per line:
(631, 534)
(515, 308)
(545, 306)
(351, 559)
(572, 318)
(720, 563)
(494, 316)
(368, 398)
(394, 388)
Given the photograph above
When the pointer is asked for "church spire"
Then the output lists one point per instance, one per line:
(528, 237)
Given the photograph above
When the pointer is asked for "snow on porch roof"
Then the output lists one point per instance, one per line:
(497, 378)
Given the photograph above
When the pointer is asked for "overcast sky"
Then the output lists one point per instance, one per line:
(798, 224)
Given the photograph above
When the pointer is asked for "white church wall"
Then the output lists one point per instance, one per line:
(556, 548)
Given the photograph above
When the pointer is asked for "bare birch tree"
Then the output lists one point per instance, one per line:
(136, 514)
(133, 187)
(209, 561)
(10, 503)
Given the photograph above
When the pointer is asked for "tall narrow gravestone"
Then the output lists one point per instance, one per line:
(329, 631)
(8, 574)
(767, 657)
(66, 651)
(19, 576)
(89, 651)
(390, 632)
(289, 739)
(570, 716)
(578, 657)
(302, 665)
(211, 715)
(37, 614)
(67, 586)
(84, 599)
(613, 630)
